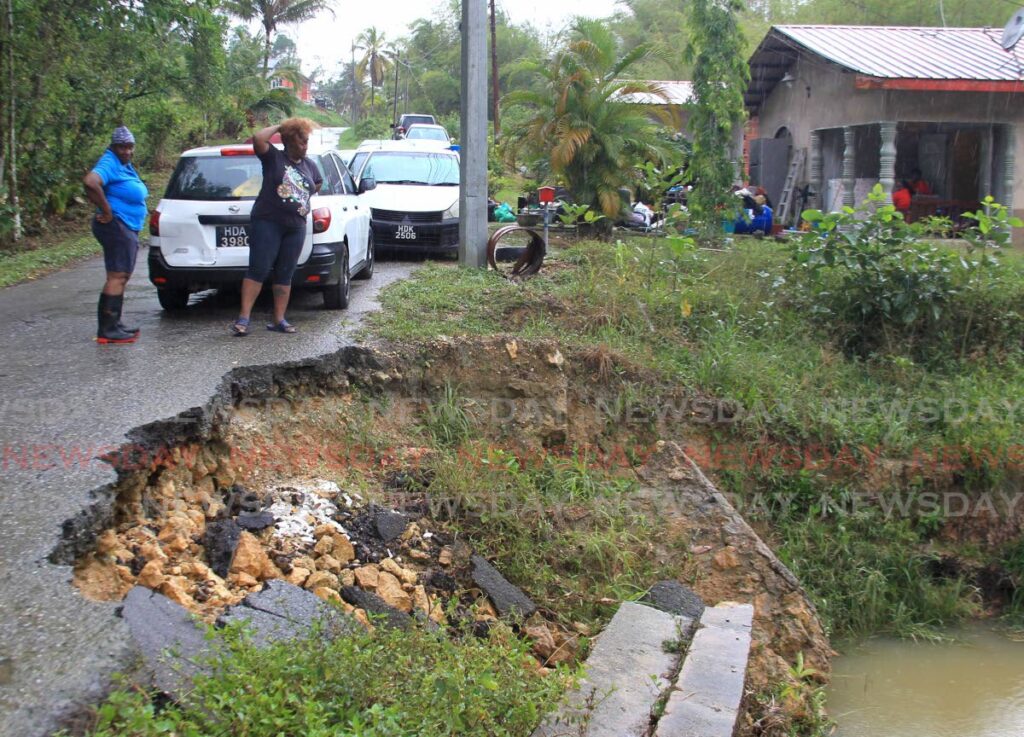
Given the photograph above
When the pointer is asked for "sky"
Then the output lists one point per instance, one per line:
(324, 42)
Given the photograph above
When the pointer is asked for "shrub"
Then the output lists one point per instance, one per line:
(871, 278)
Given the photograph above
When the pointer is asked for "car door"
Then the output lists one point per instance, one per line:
(344, 206)
(361, 205)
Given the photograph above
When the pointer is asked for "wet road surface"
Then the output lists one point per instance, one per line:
(62, 399)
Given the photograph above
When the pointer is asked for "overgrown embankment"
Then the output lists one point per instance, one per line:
(885, 472)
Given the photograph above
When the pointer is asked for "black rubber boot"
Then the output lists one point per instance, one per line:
(134, 330)
(108, 313)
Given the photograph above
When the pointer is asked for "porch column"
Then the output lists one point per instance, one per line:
(887, 159)
(849, 166)
(985, 183)
(814, 177)
(1009, 164)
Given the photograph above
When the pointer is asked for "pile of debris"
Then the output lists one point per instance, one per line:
(375, 563)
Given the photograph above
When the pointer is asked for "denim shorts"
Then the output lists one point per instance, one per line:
(274, 247)
(120, 244)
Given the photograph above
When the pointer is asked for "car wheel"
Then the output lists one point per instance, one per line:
(173, 300)
(336, 295)
(367, 271)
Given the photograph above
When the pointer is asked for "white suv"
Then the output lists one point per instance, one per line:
(415, 205)
(200, 230)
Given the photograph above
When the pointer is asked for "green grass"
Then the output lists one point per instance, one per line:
(19, 266)
(326, 118)
(727, 324)
(389, 683)
(571, 534)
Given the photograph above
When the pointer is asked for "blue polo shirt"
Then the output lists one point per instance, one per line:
(123, 189)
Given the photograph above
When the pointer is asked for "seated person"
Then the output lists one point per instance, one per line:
(757, 214)
(918, 183)
(901, 197)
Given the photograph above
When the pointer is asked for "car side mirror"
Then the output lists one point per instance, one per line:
(365, 185)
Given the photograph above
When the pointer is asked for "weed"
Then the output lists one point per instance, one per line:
(381, 684)
(447, 422)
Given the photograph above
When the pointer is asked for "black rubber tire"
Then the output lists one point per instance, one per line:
(336, 295)
(371, 259)
(173, 300)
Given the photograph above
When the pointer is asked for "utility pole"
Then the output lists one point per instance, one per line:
(12, 151)
(353, 96)
(473, 136)
(495, 92)
(394, 107)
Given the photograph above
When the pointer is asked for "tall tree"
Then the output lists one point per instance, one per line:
(577, 123)
(720, 76)
(969, 13)
(273, 13)
(376, 60)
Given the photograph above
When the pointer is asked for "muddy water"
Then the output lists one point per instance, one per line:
(973, 687)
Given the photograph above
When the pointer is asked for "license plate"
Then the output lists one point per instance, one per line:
(232, 236)
(406, 232)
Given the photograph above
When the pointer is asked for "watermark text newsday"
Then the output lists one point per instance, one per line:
(622, 409)
(284, 454)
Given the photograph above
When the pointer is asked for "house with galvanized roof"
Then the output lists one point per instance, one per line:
(841, 108)
(673, 97)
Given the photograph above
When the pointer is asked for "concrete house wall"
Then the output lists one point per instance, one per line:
(823, 95)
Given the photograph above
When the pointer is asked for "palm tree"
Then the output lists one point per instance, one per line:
(376, 59)
(272, 13)
(589, 138)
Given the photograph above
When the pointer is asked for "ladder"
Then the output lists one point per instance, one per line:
(785, 205)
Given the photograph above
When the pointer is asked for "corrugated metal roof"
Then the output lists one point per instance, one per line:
(676, 93)
(893, 52)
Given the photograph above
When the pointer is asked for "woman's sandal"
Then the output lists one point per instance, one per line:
(240, 328)
(282, 327)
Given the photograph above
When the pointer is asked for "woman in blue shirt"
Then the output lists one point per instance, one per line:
(119, 194)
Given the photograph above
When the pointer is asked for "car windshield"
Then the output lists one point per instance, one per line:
(412, 167)
(419, 132)
(217, 177)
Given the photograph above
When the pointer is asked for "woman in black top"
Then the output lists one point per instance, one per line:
(278, 224)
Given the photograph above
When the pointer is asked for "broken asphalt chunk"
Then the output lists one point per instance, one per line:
(283, 611)
(674, 598)
(173, 647)
(220, 542)
(507, 599)
(390, 525)
(255, 522)
(373, 604)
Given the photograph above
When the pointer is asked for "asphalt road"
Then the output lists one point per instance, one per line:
(61, 394)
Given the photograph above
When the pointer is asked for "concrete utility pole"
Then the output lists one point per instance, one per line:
(495, 89)
(473, 136)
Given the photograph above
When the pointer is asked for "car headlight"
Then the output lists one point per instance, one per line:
(451, 212)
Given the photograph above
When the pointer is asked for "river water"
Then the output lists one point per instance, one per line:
(972, 687)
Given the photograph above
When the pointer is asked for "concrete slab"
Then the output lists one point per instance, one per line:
(707, 694)
(626, 672)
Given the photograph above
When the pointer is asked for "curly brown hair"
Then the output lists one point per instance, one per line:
(294, 126)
